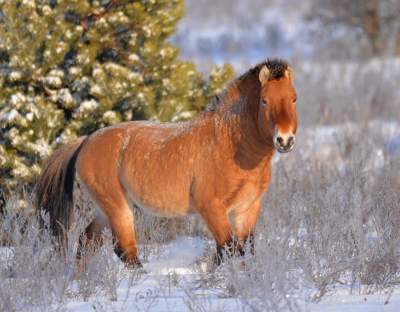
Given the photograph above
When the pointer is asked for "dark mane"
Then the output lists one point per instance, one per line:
(277, 68)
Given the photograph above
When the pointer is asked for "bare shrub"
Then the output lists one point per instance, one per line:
(330, 217)
(37, 273)
(358, 91)
(33, 273)
(153, 231)
(323, 224)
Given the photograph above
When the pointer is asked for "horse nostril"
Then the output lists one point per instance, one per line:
(290, 141)
(285, 142)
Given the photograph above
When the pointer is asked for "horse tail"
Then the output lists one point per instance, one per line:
(55, 186)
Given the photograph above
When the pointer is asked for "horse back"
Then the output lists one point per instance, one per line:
(155, 163)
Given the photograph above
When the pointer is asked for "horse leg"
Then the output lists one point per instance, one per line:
(122, 226)
(244, 223)
(90, 238)
(216, 218)
(120, 218)
(110, 198)
(89, 242)
(98, 168)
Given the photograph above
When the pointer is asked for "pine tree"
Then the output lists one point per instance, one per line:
(68, 68)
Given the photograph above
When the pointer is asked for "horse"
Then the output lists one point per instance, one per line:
(217, 165)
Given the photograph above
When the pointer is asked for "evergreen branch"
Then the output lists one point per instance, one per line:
(89, 20)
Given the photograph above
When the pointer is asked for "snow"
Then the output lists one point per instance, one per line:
(393, 145)
(172, 279)
(342, 301)
(88, 106)
(330, 139)
(133, 57)
(171, 283)
(15, 76)
(229, 35)
(65, 97)
(178, 255)
(9, 116)
(53, 81)
(41, 147)
(6, 252)
(157, 289)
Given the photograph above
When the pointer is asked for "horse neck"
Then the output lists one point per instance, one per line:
(239, 122)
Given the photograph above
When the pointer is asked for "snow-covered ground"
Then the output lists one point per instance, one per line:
(170, 283)
(343, 301)
(178, 276)
(325, 144)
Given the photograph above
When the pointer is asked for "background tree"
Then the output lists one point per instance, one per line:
(375, 21)
(68, 68)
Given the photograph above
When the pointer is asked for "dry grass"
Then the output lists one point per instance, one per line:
(322, 227)
(331, 217)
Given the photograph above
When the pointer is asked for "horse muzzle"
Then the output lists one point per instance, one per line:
(284, 143)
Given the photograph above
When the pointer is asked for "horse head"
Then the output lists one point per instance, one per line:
(277, 116)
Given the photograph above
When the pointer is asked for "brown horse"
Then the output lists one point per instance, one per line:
(217, 164)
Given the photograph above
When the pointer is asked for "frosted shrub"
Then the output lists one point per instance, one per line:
(321, 226)
(37, 274)
(330, 218)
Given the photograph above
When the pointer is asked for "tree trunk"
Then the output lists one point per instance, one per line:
(372, 27)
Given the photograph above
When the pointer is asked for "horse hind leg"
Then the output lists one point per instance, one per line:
(117, 215)
(89, 242)
(110, 199)
(120, 219)
(124, 236)
(92, 237)
(98, 167)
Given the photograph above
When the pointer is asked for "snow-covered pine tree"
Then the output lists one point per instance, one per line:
(69, 67)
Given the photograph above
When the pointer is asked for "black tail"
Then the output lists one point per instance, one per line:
(55, 187)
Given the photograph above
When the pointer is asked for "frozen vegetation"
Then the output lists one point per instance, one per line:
(327, 240)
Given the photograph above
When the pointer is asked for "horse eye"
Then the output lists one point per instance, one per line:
(295, 100)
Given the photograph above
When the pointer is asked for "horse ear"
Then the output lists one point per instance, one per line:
(264, 74)
(289, 73)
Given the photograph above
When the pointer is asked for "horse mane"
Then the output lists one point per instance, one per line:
(277, 68)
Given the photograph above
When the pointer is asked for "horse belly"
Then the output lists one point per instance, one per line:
(159, 200)
(156, 171)
(161, 208)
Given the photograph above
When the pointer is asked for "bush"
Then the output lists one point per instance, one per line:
(69, 68)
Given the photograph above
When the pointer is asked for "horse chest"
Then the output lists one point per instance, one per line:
(242, 195)
(243, 188)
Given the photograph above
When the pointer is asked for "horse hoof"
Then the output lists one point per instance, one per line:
(217, 259)
(135, 264)
(138, 269)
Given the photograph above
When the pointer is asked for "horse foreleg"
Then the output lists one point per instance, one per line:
(216, 218)
(244, 223)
